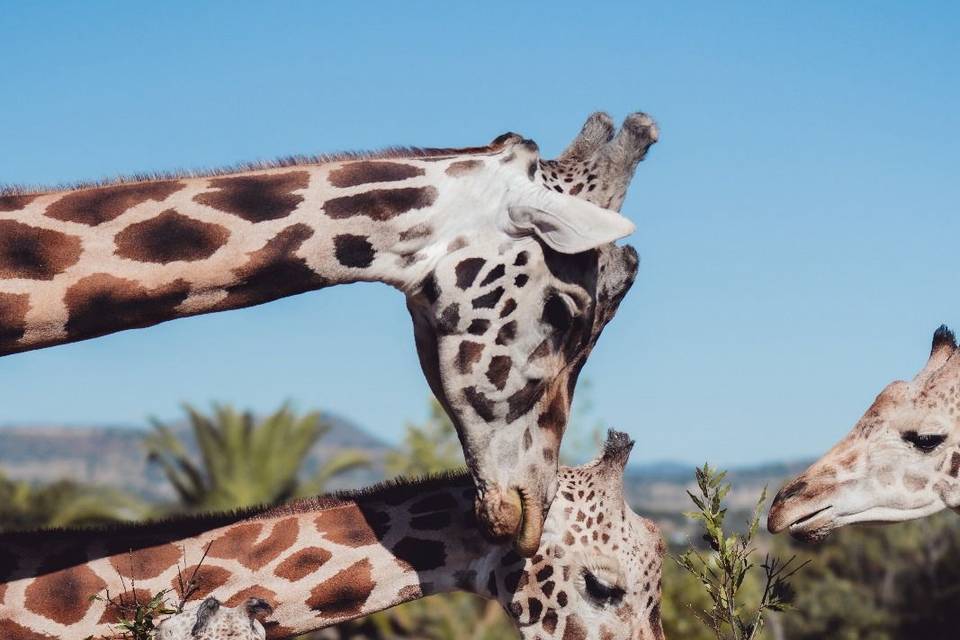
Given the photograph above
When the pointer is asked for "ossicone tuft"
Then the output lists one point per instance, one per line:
(617, 448)
(943, 337)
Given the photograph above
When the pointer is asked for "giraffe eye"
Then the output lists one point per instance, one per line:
(599, 591)
(924, 442)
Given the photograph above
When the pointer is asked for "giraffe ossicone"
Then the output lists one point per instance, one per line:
(505, 260)
(317, 562)
(900, 462)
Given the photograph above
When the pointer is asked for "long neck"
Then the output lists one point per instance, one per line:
(79, 264)
(317, 562)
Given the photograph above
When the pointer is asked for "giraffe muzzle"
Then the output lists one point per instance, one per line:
(513, 514)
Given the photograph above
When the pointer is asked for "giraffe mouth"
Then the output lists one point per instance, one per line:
(812, 527)
(527, 540)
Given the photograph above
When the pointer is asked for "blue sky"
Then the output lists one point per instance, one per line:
(798, 223)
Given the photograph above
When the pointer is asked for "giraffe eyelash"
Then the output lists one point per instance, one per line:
(925, 442)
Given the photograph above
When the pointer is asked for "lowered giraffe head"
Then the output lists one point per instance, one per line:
(597, 571)
(900, 462)
(505, 318)
(210, 620)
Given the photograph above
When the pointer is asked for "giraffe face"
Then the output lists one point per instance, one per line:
(510, 335)
(597, 571)
(900, 462)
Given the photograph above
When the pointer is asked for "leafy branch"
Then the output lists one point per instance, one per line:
(722, 570)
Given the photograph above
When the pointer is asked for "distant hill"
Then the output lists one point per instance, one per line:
(114, 455)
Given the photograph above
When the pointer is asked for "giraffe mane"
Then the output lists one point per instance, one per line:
(388, 153)
(185, 525)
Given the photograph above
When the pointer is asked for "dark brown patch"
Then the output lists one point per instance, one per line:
(521, 280)
(507, 333)
(409, 592)
(416, 231)
(449, 319)
(954, 464)
(63, 596)
(240, 543)
(488, 300)
(420, 555)
(302, 563)
(435, 502)
(256, 198)
(275, 271)
(523, 401)
(13, 319)
(462, 167)
(380, 204)
(353, 251)
(478, 327)
(169, 237)
(364, 172)
(508, 307)
(34, 253)
(577, 188)
(430, 288)
(96, 206)
(468, 355)
(554, 419)
(550, 621)
(10, 630)
(346, 526)
(143, 564)
(15, 203)
(480, 403)
(256, 591)
(102, 303)
(467, 270)
(498, 371)
(120, 605)
(493, 275)
(431, 521)
(208, 578)
(574, 629)
(344, 594)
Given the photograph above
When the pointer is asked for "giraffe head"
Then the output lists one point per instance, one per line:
(505, 318)
(597, 571)
(209, 620)
(900, 461)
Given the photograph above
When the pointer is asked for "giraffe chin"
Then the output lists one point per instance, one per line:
(513, 514)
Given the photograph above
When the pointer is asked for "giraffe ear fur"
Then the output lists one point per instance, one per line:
(571, 229)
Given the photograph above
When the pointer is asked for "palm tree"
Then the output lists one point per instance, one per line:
(244, 461)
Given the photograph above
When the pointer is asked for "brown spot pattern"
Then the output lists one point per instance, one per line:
(350, 175)
(256, 591)
(468, 354)
(380, 204)
(462, 167)
(498, 371)
(346, 526)
(143, 564)
(120, 605)
(275, 271)
(63, 596)
(169, 237)
(34, 253)
(257, 198)
(467, 270)
(954, 464)
(522, 401)
(208, 578)
(419, 555)
(240, 543)
(302, 563)
(353, 251)
(345, 593)
(15, 203)
(13, 319)
(480, 403)
(102, 303)
(96, 206)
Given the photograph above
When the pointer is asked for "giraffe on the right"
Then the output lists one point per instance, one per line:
(900, 462)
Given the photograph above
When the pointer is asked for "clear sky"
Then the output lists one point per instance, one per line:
(798, 223)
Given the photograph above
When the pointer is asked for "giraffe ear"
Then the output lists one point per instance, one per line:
(567, 224)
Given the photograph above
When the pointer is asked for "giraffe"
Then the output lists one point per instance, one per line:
(900, 462)
(320, 561)
(506, 262)
(209, 620)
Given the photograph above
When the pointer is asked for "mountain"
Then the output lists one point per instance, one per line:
(114, 456)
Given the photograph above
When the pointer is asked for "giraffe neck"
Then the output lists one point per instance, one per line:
(318, 562)
(84, 263)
